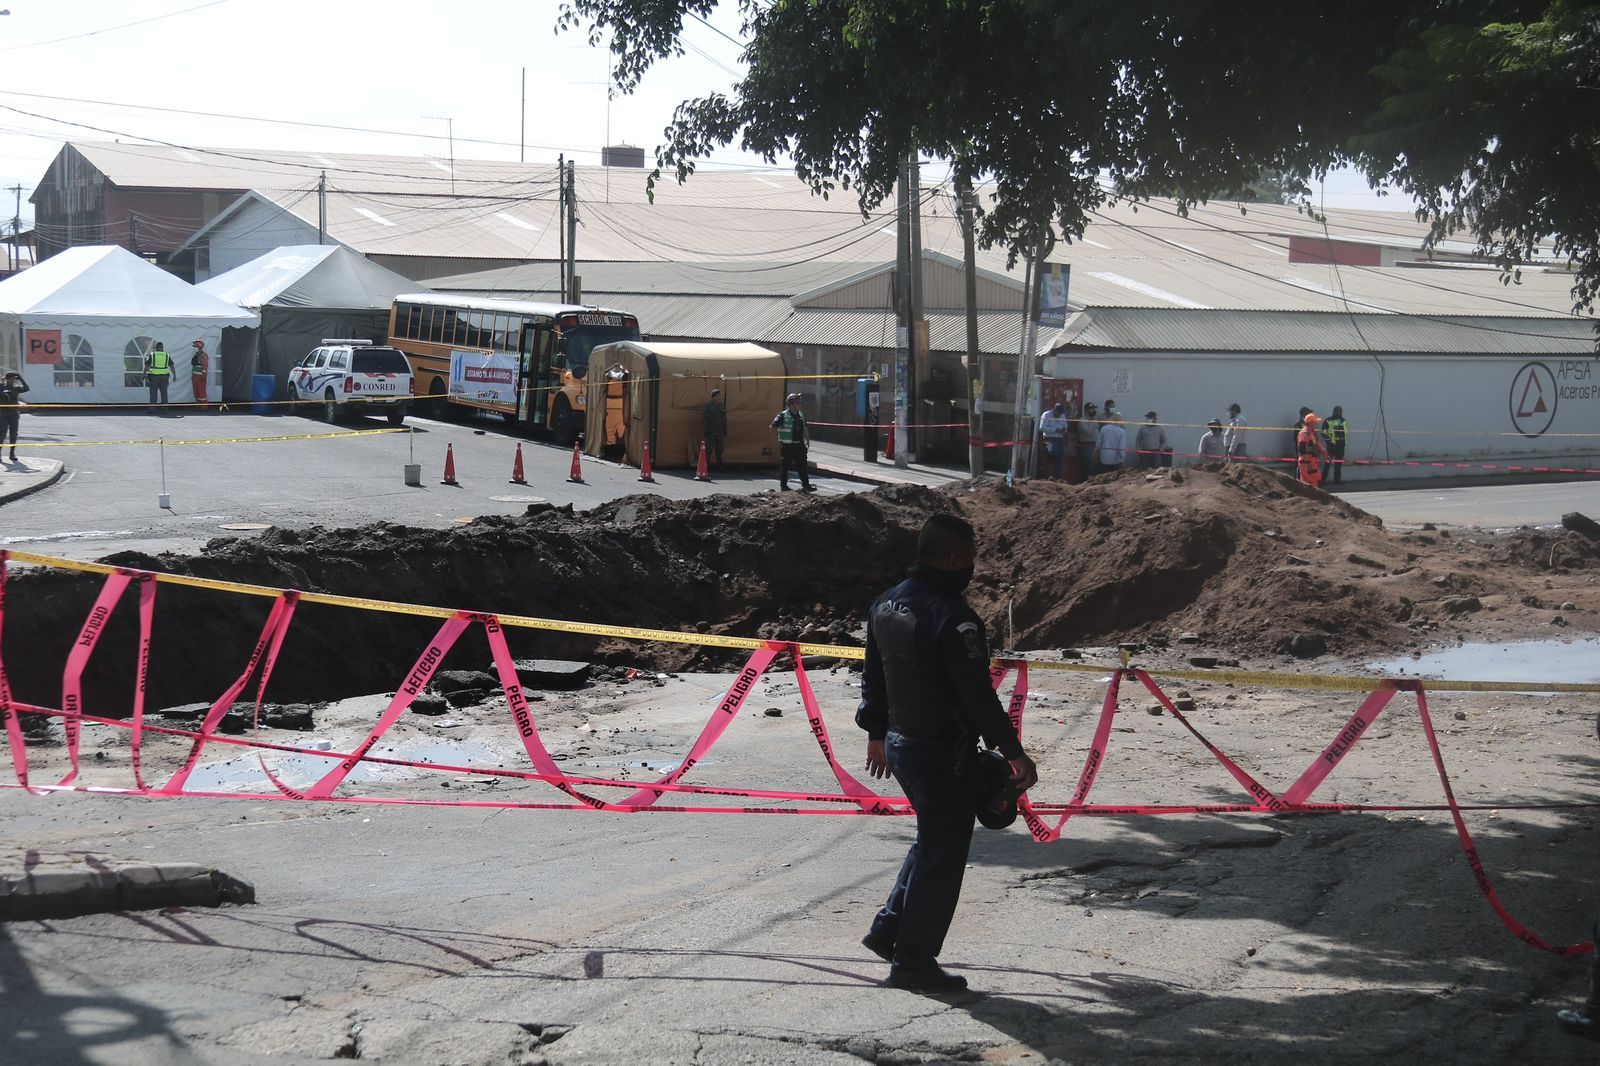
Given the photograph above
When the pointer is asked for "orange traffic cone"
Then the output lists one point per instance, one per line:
(644, 465)
(702, 470)
(517, 477)
(888, 448)
(577, 465)
(450, 466)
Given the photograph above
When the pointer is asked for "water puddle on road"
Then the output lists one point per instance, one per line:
(1564, 661)
(243, 772)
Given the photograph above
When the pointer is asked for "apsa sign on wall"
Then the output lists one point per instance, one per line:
(42, 346)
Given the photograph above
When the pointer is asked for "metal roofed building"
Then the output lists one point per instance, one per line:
(1181, 312)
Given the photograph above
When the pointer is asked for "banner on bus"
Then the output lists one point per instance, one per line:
(484, 377)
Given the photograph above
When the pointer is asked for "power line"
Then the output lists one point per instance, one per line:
(752, 167)
(111, 29)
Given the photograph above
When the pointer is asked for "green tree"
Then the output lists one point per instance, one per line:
(1473, 107)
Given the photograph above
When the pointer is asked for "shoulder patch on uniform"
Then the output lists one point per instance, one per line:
(972, 636)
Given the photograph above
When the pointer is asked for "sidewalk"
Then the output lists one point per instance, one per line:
(846, 461)
(28, 475)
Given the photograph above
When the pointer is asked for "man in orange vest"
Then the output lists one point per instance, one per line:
(1312, 454)
(199, 367)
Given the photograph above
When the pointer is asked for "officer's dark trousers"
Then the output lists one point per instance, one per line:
(923, 901)
(158, 387)
(793, 457)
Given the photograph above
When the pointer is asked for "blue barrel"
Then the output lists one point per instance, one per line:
(263, 387)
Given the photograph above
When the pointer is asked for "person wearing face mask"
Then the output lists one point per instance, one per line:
(926, 698)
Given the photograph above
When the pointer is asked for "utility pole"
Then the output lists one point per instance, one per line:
(1025, 355)
(969, 262)
(902, 333)
(16, 232)
(919, 322)
(561, 221)
(522, 134)
(322, 208)
(573, 296)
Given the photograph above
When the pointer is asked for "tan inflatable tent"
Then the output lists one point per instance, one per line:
(665, 387)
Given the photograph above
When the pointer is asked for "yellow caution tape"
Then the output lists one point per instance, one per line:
(171, 443)
(1256, 678)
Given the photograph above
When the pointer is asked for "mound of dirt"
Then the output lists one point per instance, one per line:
(1247, 558)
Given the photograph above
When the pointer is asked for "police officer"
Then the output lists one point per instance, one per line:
(793, 438)
(1337, 430)
(158, 373)
(925, 698)
(11, 408)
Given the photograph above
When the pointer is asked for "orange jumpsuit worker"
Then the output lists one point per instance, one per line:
(1309, 447)
(199, 367)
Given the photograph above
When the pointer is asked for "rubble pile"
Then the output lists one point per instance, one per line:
(1246, 558)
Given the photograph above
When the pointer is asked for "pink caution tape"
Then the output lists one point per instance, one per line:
(19, 750)
(856, 798)
(727, 710)
(277, 624)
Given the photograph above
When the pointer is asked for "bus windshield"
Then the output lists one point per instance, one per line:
(581, 340)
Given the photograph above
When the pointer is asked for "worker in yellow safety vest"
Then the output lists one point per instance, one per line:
(793, 438)
(158, 373)
(1337, 431)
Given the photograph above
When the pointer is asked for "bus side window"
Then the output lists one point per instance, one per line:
(430, 324)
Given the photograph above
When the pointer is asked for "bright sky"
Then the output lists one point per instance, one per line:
(417, 70)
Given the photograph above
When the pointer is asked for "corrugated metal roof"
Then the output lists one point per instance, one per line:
(1145, 329)
(733, 318)
(999, 332)
(1218, 257)
(728, 279)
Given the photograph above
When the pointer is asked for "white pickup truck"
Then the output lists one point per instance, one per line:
(345, 375)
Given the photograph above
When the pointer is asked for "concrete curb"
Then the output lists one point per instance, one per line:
(16, 486)
(35, 885)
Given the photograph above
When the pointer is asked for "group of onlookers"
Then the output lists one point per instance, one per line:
(1100, 442)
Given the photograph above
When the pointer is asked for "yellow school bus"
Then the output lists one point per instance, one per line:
(525, 360)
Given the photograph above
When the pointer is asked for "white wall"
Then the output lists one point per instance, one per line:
(108, 345)
(251, 233)
(1473, 409)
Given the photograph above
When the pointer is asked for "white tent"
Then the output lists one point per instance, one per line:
(78, 327)
(306, 292)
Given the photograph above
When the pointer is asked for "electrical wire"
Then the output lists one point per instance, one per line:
(111, 29)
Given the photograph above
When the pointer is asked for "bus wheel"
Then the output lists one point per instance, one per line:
(438, 403)
(563, 423)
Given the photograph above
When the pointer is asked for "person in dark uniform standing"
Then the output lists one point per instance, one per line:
(925, 699)
(793, 438)
(715, 424)
(1337, 431)
(11, 409)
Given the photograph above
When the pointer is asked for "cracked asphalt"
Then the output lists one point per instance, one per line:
(433, 935)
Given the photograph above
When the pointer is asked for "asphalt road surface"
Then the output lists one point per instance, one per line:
(1485, 506)
(109, 498)
(454, 935)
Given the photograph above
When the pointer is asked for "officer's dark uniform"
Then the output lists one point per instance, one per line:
(924, 688)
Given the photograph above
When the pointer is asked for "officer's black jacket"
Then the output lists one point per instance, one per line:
(927, 669)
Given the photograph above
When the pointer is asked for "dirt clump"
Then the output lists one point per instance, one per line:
(1246, 558)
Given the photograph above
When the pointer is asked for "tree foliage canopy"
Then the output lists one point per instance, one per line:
(1481, 110)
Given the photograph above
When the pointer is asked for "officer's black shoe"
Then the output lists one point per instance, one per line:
(809, 488)
(929, 977)
(784, 488)
(882, 947)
